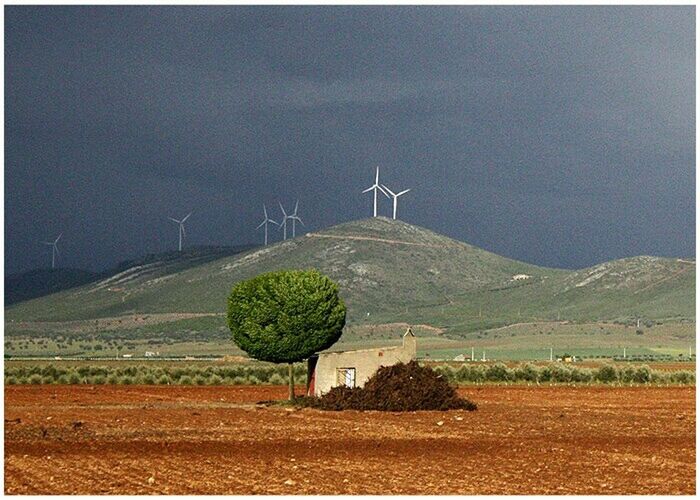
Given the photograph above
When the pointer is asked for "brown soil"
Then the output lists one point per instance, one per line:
(215, 440)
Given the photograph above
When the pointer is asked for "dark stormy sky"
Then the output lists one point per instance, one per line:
(561, 136)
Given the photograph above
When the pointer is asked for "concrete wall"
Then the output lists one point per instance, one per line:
(365, 362)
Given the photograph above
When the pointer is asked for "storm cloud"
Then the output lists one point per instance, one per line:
(561, 136)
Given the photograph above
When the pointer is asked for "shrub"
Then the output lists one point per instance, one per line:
(163, 380)
(642, 375)
(239, 380)
(10, 380)
(606, 374)
(73, 377)
(125, 380)
(497, 373)
(528, 373)
(35, 379)
(215, 380)
(185, 380)
(98, 379)
(276, 379)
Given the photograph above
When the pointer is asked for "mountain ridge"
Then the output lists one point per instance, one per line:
(391, 271)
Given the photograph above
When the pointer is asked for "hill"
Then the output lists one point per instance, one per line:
(389, 272)
(40, 282)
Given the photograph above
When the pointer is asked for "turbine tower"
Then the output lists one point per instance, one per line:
(283, 225)
(294, 218)
(182, 229)
(395, 196)
(376, 187)
(265, 222)
(54, 249)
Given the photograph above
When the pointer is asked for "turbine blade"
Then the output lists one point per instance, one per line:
(56, 248)
(187, 217)
(296, 207)
(182, 228)
(389, 190)
(59, 237)
(272, 222)
(377, 178)
(369, 189)
(282, 208)
(265, 210)
(261, 224)
(302, 222)
(403, 192)
(383, 192)
(174, 220)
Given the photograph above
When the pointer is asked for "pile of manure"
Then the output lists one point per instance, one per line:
(401, 387)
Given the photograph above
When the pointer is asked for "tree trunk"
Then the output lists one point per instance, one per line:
(291, 382)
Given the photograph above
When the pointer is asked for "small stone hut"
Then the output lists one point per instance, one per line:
(353, 368)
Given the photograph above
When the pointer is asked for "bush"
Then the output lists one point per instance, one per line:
(239, 380)
(497, 373)
(642, 375)
(147, 379)
(606, 374)
(216, 380)
(276, 379)
(528, 373)
(163, 380)
(10, 380)
(35, 379)
(185, 380)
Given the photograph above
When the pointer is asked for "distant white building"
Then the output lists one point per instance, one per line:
(127, 355)
(150, 354)
(518, 277)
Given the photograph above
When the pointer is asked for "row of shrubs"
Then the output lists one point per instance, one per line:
(277, 374)
(555, 373)
(149, 375)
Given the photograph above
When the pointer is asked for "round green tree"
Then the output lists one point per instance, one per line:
(286, 316)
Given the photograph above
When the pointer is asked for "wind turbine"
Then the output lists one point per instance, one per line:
(182, 229)
(376, 187)
(54, 249)
(283, 225)
(395, 196)
(294, 218)
(265, 222)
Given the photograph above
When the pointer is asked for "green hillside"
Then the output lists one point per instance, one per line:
(388, 271)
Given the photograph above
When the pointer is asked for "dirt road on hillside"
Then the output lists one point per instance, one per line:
(215, 440)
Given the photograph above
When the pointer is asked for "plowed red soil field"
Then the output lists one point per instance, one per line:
(215, 440)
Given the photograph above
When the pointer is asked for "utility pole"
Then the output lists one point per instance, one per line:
(551, 354)
(472, 354)
(624, 352)
(483, 355)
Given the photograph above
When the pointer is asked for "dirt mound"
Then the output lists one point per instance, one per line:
(401, 387)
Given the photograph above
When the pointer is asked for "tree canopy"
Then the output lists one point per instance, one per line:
(286, 316)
